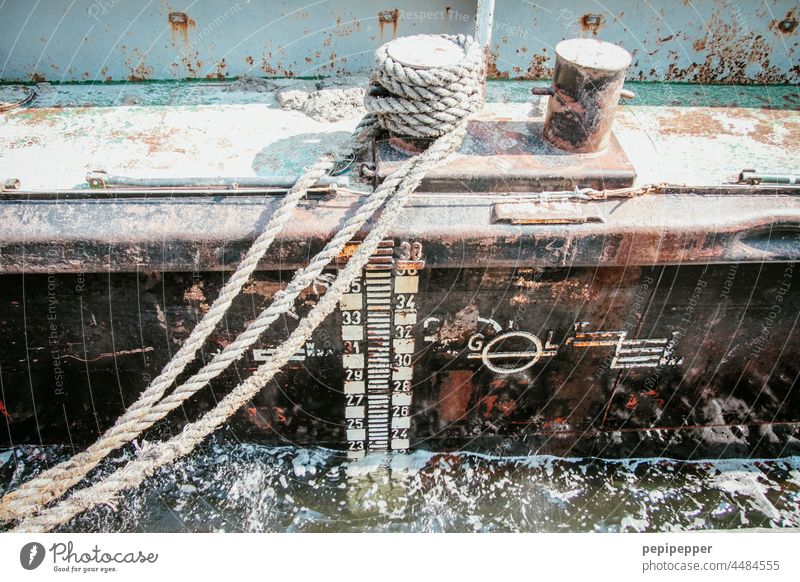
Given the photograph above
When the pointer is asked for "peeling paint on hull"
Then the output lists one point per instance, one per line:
(703, 41)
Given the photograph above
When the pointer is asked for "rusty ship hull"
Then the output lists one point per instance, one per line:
(508, 312)
(606, 338)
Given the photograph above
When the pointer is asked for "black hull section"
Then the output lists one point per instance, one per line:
(687, 361)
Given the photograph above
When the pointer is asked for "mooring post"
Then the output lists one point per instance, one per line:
(587, 82)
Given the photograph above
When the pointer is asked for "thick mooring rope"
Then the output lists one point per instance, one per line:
(439, 84)
(425, 102)
(147, 410)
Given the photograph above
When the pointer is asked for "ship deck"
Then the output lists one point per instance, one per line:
(689, 134)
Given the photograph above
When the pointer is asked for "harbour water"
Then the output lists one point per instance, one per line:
(234, 487)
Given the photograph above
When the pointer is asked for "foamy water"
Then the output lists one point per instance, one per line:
(234, 487)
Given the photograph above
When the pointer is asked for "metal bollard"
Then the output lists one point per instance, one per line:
(587, 82)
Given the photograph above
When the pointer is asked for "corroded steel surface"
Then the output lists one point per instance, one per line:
(706, 41)
(165, 130)
(512, 156)
(173, 131)
(587, 81)
(690, 361)
(213, 232)
(701, 41)
(517, 322)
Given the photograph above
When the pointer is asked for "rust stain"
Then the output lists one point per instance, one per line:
(762, 129)
(692, 123)
(506, 406)
(491, 67)
(180, 24)
(648, 398)
(787, 25)
(764, 132)
(189, 63)
(592, 22)
(5, 413)
(557, 424)
(455, 391)
(255, 417)
(342, 31)
(497, 405)
(264, 288)
(731, 53)
(45, 116)
(572, 289)
(140, 71)
(488, 405)
(348, 251)
(24, 143)
(275, 70)
(389, 17)
(153, 139)
(539, 67)
(280, 414)
(194, 294)
(248, 60)
(220, 70)
(519, 299)
(37, 77)
(459, 326)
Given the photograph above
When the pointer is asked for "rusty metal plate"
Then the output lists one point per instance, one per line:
(512, 156)
(544, 213)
